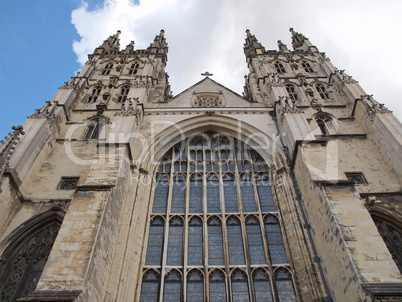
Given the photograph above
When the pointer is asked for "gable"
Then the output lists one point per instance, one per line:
(208, 94)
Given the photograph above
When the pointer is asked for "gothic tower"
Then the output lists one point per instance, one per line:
(117, 190)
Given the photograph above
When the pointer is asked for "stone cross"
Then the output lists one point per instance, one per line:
(207, 74)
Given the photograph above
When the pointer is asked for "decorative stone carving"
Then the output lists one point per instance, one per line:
(274, 80)
(46, 111)
(373, 106)
(129, 108)
(208, 101)
(345, 78)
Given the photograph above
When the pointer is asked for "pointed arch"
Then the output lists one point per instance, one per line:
(25, 252)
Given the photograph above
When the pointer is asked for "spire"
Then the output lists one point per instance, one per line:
(282, 47)
(297, 39)
(252, 47)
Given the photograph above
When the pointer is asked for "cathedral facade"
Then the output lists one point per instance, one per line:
(118, 190)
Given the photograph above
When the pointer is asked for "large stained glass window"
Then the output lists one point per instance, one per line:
(214, 230)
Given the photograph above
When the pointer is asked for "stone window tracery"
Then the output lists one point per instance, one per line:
(307, 67)
(93, 129)
(392, 236)
(134, 68)
(326, 124)
(279, 67)
(217, 221)
(25, 263)
(123, 94)
(322, 91)
(291, 89)
(107, 69)
(94, 94)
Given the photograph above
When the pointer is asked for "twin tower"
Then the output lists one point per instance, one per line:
(118, 190)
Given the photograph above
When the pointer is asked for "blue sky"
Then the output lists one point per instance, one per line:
(44, 42)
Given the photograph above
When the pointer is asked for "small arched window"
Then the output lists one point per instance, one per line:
(123, 94)
(291, 89)
(279, 67)
(326, 124)
(134, 68)
(307, 67)
(94, 94)
(322, 91)
(93, 129)
(107, 69)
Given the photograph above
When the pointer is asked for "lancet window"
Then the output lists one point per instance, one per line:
(326, 124)
(214, 230)
(93, 129)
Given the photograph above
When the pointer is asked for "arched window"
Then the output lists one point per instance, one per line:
(262, 286)
(307, 67)
(391, 233)
(123, 94)
(325, 123)
(217, 286)
(322, 91)
(26, 255)
(240, 290)
(173, 287)
(279, 67)
(150, 286)
(107, 69)
(93, 129)
(291, 89)
(134, 68)
(216, 214)
(195, 286)
(94, 94)
(284, 285)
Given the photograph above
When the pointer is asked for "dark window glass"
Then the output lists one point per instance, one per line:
(291, 89)
(195, 242)
(255, 243)
(93, 130)
(217, 287)
(161, 194)
(279, 67)
(275, 244)
(235, 242)
(155, 242)
(150, 287)
(262, 287)
(322, 91)
(196, 196)
(264, 192)
(284, 286)
(247, 194)
(213, 196)
(178, 195)
(173, 287)
(175, 242)
(215, 251)
(229, 189)
(195, 286)
(239, 286)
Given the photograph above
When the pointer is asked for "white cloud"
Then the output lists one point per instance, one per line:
(358, 36)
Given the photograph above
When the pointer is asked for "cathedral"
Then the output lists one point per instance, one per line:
(118, 190)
